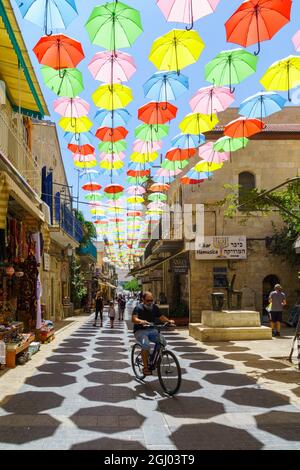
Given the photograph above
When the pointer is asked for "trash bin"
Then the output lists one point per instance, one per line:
(217, 301)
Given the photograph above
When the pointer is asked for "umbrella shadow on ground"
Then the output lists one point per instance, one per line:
(110, 355)
(74, 343)
(108, 365)
(230, 379)
(65, 358)
(187, 349)
(211, 365)
(285, 425)
(106, 443)
(198, 356)
(191, 407)
(109, 343)
(109, 378)
(228, 347)
(243, 357)
(108, 419)
(255, 397)
(31, 403)
(108, 393)
(285, 376)
(115, 349)
(50, 380)
(266, 364)
(16, 429)
(59, 368)
(69, 350)
(213, 436)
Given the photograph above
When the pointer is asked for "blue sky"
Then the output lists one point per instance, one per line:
(212, 31)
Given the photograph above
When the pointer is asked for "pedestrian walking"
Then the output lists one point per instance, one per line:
(111, 313)
(277, 300)
(99, 304)
(122, 307)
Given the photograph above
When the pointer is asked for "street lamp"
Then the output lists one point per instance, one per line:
(69, 251)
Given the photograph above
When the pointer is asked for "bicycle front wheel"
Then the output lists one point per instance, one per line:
(169, 372)
(137, 362)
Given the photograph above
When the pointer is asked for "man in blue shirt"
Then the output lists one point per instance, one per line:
(278, 300)
(144, 314)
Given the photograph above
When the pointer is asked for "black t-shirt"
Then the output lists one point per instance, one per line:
(142, 313)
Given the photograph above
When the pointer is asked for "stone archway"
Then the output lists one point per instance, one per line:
(268, 285)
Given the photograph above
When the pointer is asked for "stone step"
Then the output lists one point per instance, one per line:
(206, 334)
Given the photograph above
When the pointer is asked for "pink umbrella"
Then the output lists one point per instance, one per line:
(296, 40)
(210, 99)
(156, 205)
(164, 172)
(146, 147)
(135, 190)
(112, 156)
(110, 67)
(78, 157)
(186, 11)
(208, 154)
(71, 107)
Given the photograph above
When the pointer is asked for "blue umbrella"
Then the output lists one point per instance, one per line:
(84, 138)
(139, 166)
(116, 118)
(48, 14)
(87, 173)
(261, 105)
(166, 86)
(198, 175)
(188, 141)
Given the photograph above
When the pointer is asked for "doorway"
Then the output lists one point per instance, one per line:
(268, 285)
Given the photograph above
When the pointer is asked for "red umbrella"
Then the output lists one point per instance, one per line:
(58, 51)
(187, 180)
(109, 134)
(243, 127)
(157, 113)
(134, 213)
(82, 149)
(177, 154)
(138, 173)
(113, 189)
(159, 187)
(257, 20)
(92, 186)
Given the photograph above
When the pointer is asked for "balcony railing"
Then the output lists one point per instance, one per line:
(14, 147)
(89, 249)
(64, 218)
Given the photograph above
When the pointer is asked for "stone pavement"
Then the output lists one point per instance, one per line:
(80, 393)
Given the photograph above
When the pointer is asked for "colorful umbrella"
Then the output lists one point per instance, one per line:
(91, 186)
(93, 197)
(136, 190)
(113, 146)
(71, 107)
(109, 165)
(283, 75)
(143, 157)
(85, 164)
(209, 100)
(82, 150)
(137, 173)
(168, 173)
(227, 144)
(256, 21)
(75, 125)
(187, 180)
(178, 154)
(114, 25)
(83, 158)
(114, 189)
(112, 96)
(59, 52)
(196, 123)
(296, 40)
(261, 105)
(115, 118)
(48, 14)
(151, 133)
(243, 127)
(166, 86)
(188, 141)
(64, 82)
(176, 49)
(186, 11)
(108, 134)
(146, 147)
(210, 155)
(136, 179)
(174, 165)
(112, 67)
(112, 156)
(157, 113)
(198, 175)
(135, 199)
(229, 67)
(157, 197)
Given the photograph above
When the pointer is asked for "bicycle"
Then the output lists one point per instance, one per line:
(161, 359)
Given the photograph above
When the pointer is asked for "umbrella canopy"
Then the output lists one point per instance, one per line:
(135, 199)
(75, 125)
(207, 167)
(138, 173)
(210, 155)
(85, 164)
(256, 21)
(112, 67)
(109, 165)
(49, 14)
(113, 189)
(114, 25)
(188, 141)
(198, 174)
(211, 99)
(227, 144)
(64, 82)
(196, 123)
(146, 147)
(243, 127)
(78, 157)
(82, 150)
(112, 156)
(187, 180)
(296, 40)
(157, 197)
(174, 165)
(58, 51)
(93, 197)
(167, 172)
(136, 190)
(229, 67)
(115, 147)
(157, 112)
(176, 49)
(136, 179)
(143, 157)
(186, 11)
(114, 118)
(71, 107)
(91, 186)
(261, 105)
(112, 96)
(151, 133)
(178, 154)
(282, 75)
(108, 134)
(166, 86)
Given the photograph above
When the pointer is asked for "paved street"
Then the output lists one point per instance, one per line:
(84, 396)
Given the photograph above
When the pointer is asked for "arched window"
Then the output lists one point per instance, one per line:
(246, 184)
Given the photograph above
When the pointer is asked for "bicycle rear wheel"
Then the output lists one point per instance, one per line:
(169, 372)
(137, 362)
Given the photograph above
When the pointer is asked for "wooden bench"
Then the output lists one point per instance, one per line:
(11, 354)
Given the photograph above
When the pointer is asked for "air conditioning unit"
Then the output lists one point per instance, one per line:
(2, 93)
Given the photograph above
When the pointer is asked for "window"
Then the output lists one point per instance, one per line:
(246, 184)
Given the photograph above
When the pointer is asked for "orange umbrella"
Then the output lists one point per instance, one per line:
(109, 134)
(138, 173)
(177, 154)
(187, 180)
(243, 127)
(86, 149)
(92, 186)
(159, 187)
(157, 112)
(113, 189)
(59, 51)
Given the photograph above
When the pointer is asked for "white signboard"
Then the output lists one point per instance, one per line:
(46, 262)
(223, 247)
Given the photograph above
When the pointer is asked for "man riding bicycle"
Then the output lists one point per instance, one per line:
(144, 314)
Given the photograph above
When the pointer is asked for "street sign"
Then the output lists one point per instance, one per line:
(180, 264)
(223, 247)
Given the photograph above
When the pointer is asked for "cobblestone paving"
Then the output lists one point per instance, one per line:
(84, 396)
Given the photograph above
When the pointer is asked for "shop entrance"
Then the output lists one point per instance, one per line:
(268, 285)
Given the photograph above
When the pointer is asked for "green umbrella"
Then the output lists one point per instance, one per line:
(63, 82)
(94, 197)
(151, 132)
(230, 67)
(174, 165)
(114, 25)
(113, 147)
(227, 144)
(137, 179)
(157, 197)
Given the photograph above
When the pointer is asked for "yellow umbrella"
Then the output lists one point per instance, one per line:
(97, 211)
(107, 165)
(207, 167)
(283, 75)
(75, 125)
(115, 210)
(90, 164)
(196, 123)
(135, 199)
(176, 49)
(143, 157)
(112, 96)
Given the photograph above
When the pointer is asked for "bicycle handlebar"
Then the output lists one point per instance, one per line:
(159, 327)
